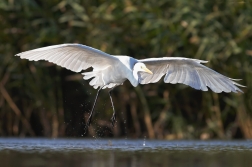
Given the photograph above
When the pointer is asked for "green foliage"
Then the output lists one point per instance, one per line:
(55, 103)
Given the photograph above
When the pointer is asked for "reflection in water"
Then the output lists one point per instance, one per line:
(114, 153)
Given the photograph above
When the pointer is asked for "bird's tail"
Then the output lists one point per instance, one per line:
(96, 81)
(100, 78)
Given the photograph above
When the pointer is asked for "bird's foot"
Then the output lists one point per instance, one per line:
(113, 119)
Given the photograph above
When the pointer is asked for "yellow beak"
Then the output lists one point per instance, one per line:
(147, 70)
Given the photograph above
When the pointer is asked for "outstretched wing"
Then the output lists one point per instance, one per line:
(75, 57)
(189, 72)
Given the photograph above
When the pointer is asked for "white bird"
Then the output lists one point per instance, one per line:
(110, 71)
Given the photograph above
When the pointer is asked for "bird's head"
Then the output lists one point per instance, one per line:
(141, 67)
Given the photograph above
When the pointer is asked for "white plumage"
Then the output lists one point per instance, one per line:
(110, 71)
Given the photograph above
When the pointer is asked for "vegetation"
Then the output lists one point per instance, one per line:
(41, 99)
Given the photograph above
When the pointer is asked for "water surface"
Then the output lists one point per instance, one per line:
(128, 153)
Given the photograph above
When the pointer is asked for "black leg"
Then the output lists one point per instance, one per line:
(113, 118)
(91, 114)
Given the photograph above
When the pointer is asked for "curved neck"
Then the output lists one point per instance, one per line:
(134, 80)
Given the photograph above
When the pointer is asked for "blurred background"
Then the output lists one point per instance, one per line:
(41, 99)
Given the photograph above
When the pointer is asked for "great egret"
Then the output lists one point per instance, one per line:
(110, 71)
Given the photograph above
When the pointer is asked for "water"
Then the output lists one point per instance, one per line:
(126, 153)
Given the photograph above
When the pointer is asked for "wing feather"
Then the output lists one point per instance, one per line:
(75, 57)
(203, 83)
(179, 74)
(189, 72)
(182, 76)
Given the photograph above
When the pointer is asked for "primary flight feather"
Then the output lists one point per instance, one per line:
(110, 71)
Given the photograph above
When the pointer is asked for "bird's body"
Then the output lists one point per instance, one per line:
(110, 71)
(113, 75)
